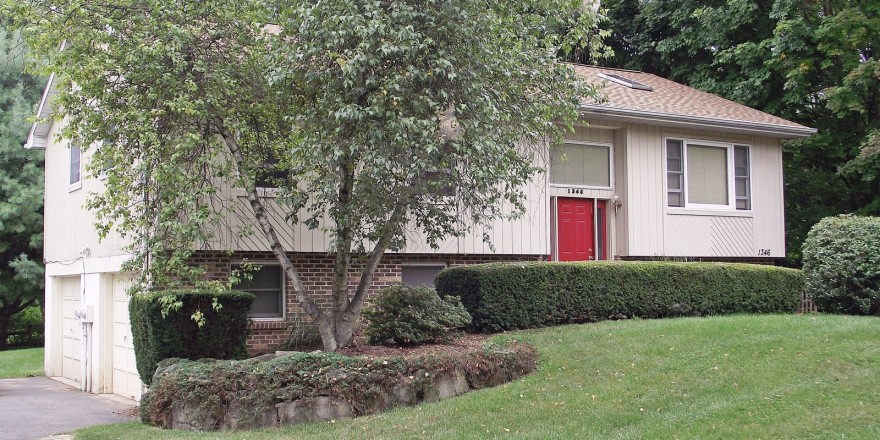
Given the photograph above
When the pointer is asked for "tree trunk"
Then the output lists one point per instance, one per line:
(4, 329)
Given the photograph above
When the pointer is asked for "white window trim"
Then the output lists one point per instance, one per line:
(588, 144)
(71, 187)
(238, 263)
(731, 178)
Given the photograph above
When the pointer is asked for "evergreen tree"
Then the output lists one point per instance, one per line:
(21, 186)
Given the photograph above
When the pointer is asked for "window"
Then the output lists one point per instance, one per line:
(269, 175)
(267, 284)
(420, 274)
(707, 175)
(75, 165)
(581, 164)
(438, 186)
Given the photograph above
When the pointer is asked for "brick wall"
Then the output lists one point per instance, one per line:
(316, 271)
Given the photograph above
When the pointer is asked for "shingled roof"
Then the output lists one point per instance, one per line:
(633, 96)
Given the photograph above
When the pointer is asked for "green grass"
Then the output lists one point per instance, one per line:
(25, 362)
(734, 377)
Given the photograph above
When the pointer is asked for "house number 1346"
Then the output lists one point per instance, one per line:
(763, 252)
(575, 191)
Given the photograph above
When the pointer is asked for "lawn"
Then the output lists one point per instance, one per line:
(25, 362)
(734, 377)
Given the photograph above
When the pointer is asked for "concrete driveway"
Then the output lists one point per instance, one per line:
(36, 407)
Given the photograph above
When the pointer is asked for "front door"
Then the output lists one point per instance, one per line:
(575, 226)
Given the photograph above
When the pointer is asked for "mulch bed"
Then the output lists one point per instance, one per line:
(463, 343)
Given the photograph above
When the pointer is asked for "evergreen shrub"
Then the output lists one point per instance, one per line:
(220, 333)
(508, 296)
(413, 315)
(842, 264)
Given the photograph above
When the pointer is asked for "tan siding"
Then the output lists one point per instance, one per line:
(767, 198)
(68, 226)
(644, 190)
(619, 239)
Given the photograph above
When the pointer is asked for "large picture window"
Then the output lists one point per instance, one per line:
(267, 284)
(581, 164)
(707, 175)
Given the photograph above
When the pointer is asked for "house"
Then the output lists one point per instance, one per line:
(658, 170)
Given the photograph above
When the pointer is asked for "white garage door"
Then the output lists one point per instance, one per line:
(126, 381)
(71, 351)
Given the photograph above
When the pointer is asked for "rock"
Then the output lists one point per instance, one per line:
(319, 409)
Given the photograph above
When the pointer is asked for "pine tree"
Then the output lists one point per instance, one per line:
(21, 186)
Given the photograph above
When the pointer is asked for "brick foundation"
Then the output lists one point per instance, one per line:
(316, 271)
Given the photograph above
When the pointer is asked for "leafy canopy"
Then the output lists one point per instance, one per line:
(361, 113)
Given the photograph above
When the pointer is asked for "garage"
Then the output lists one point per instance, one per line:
(126, 381)
(71, 329)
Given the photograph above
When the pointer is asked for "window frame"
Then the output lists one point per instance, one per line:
(283, 291)
(730, 148)
(609, 146)
(71, 184)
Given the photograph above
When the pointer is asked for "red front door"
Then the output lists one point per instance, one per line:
(575, 229)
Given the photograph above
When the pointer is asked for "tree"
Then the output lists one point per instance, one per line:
(812, 62)
(21, 186)
(361, 112)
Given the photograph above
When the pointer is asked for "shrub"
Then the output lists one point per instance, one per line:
(221, 332)
(842, 264)
(413, 315)
(507, 296)
(26, 328)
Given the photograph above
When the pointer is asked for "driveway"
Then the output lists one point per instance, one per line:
(36, 407)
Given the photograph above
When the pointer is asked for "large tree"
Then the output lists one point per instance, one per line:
(813, 62)
(21, 186)
(362, 113)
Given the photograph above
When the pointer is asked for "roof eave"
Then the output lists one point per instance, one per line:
(698, 122)
(38, 137)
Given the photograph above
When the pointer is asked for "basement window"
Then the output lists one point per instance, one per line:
(267, 285)
(416, 274)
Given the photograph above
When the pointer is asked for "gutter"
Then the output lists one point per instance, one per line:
(699, 122)
(38, 136)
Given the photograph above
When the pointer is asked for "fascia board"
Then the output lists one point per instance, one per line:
(697, 122)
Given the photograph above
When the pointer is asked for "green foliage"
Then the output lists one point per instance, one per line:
(346, 104)
(26, 328)
(168, 325)
(413, 315)
(526, 295)
(364, 383)
(21, 184)
(811, 62)
(842, 264)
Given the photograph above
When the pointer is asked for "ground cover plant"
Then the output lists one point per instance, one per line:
(509, 296)
(25, 362)
(731, 377)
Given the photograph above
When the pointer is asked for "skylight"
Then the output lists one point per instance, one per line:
(625, 81)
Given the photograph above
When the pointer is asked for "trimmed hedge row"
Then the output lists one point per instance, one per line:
(508, 296)
(222, 334)
(273, 390)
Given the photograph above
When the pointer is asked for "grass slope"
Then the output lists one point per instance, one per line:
(734, 377)
(25, 362)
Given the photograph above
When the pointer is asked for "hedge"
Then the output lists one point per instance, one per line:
(508, 296)
(842, 264)
(222, 335)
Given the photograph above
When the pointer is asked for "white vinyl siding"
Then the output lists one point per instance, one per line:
(581, 164)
